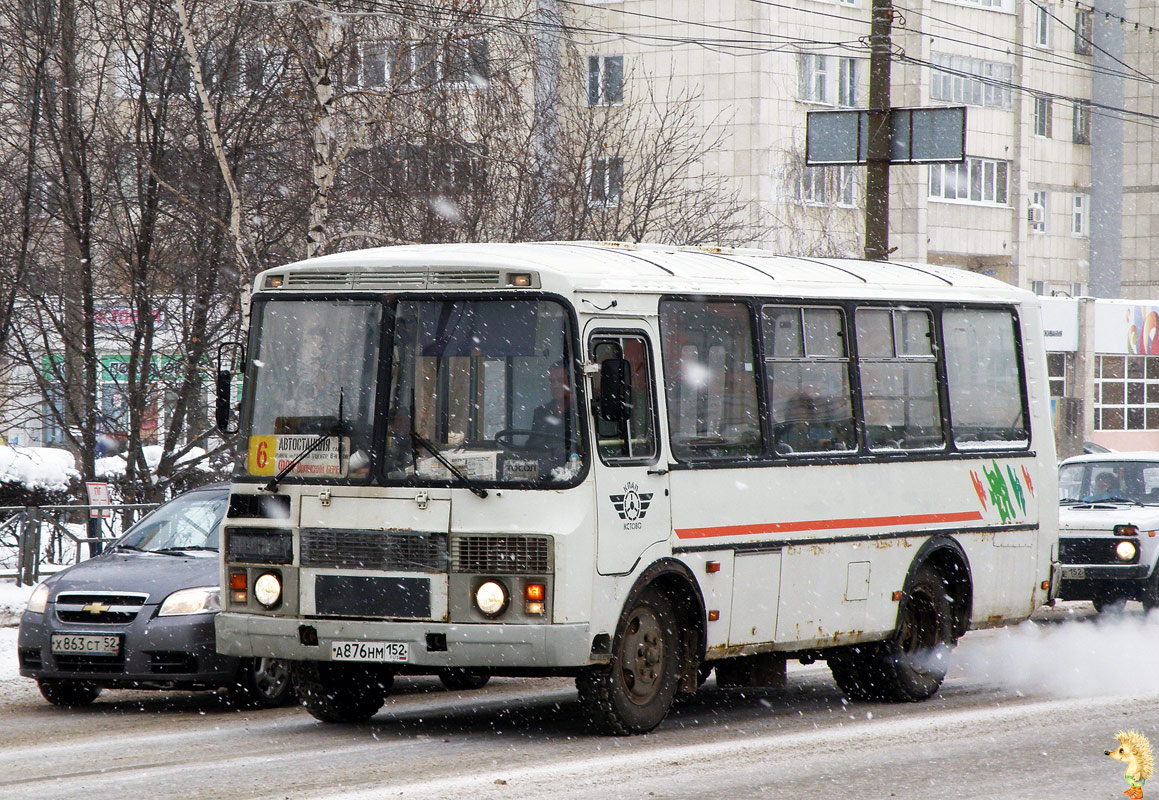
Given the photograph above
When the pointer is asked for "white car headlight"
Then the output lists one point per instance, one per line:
(268, 590)
(198, 600)
(38, 600)
(1126, 550)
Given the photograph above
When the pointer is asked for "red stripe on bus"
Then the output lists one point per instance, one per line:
(828, 524)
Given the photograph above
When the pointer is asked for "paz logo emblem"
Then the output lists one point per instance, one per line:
(632, 504)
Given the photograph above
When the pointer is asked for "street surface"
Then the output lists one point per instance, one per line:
(1026, 712)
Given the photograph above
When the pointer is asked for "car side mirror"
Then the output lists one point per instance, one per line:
(615, 389)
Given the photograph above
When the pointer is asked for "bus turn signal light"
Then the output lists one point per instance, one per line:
(535, 595)
(238, 587)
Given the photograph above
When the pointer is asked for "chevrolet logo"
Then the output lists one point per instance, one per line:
(96, 608)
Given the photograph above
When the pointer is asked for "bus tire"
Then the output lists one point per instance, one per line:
(634, 692)
(911, 665)
(462, 678)
(340, 692)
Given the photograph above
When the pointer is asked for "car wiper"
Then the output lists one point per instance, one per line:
(335, 430)
(1112, 499)
(475, 488)
(168, 550)
(134, 548)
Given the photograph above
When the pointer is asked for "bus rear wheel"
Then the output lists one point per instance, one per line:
(341, 692)
(634, 692)
(911, 665)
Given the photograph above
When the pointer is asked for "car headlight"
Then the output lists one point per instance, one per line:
(491, 598)
(268, 590)
(198, 600)
(38, 600)
(1125, 550)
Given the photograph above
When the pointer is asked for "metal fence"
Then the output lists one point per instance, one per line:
(33, 536)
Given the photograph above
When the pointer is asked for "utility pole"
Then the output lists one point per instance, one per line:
(547, 36)
(877, 166)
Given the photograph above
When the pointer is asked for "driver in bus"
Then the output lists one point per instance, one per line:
(551, 422)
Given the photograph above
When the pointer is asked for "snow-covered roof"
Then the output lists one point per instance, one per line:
(602, 267)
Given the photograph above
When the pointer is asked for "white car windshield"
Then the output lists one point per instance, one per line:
(1109, 481)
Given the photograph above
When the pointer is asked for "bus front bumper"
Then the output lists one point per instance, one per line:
(429, 644)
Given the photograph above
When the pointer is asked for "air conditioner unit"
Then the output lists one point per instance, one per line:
(1036, 214)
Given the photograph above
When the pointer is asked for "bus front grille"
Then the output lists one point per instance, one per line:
(502, 554)
(396, 551)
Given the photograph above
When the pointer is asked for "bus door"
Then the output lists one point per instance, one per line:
(632, 503)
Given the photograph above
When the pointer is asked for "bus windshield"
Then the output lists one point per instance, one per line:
(488, 384)
(480, 391)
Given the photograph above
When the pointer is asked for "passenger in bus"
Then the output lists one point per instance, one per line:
(809, 426)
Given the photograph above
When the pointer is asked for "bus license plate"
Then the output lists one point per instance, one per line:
(86, 644)
(396, 652)
(1074, 573)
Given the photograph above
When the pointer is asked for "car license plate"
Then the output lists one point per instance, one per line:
(86, 644)
(1074, 573)
(370, 651)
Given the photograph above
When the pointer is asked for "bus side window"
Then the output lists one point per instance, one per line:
(710, 380)
(899, 384)
(632, 439)
(985, 378)
(807, 367)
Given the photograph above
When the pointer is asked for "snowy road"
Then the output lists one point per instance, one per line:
(1025, 713)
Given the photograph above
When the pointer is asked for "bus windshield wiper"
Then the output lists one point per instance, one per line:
(475, 488)
(335, 430)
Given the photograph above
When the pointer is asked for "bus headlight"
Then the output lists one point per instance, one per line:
(491, 598)
(268, 589)
(1125, 550)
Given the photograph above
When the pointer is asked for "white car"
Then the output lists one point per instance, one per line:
(1109, 529)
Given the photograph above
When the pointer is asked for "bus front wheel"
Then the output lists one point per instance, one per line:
(912, 664)
(341, 692)
(633, 693)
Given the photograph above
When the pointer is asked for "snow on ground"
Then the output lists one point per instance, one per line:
(43, 467)
(13, 598)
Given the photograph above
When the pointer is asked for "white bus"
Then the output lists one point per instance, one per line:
(634, 465)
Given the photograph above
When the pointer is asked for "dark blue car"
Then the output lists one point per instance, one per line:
(140, 616)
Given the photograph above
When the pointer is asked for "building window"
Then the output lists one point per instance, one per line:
(1058, 373)
(606, 182)
(1081, 127)
(827, 186)
(812, 78)
(977, 180)
(989, 5)
(1042, 114)
(464, 62)
(971, 81)
(1127, 393)
(1036, 213)
(1042, 26)
(374, 69)
(847, 82)
(1079, 215)
(605, 80)
(1084, 27)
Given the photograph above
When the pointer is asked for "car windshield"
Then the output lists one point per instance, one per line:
(188, 522)
(1121, 481)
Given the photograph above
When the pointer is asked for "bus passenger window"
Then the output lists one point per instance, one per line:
(710, 380)
(632, 439)
(985, 378)
(807, 368)
(899, 386)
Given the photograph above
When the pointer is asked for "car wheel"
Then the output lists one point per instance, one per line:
(1150, 596)
(340, 692)
(68, 694)
(261, 683)
(1109, 604)
(635, 691)
(460, 678)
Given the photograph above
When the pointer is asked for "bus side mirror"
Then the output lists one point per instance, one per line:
(615, 389)
(224, 383)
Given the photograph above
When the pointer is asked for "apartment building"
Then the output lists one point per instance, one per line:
(1021, 207)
